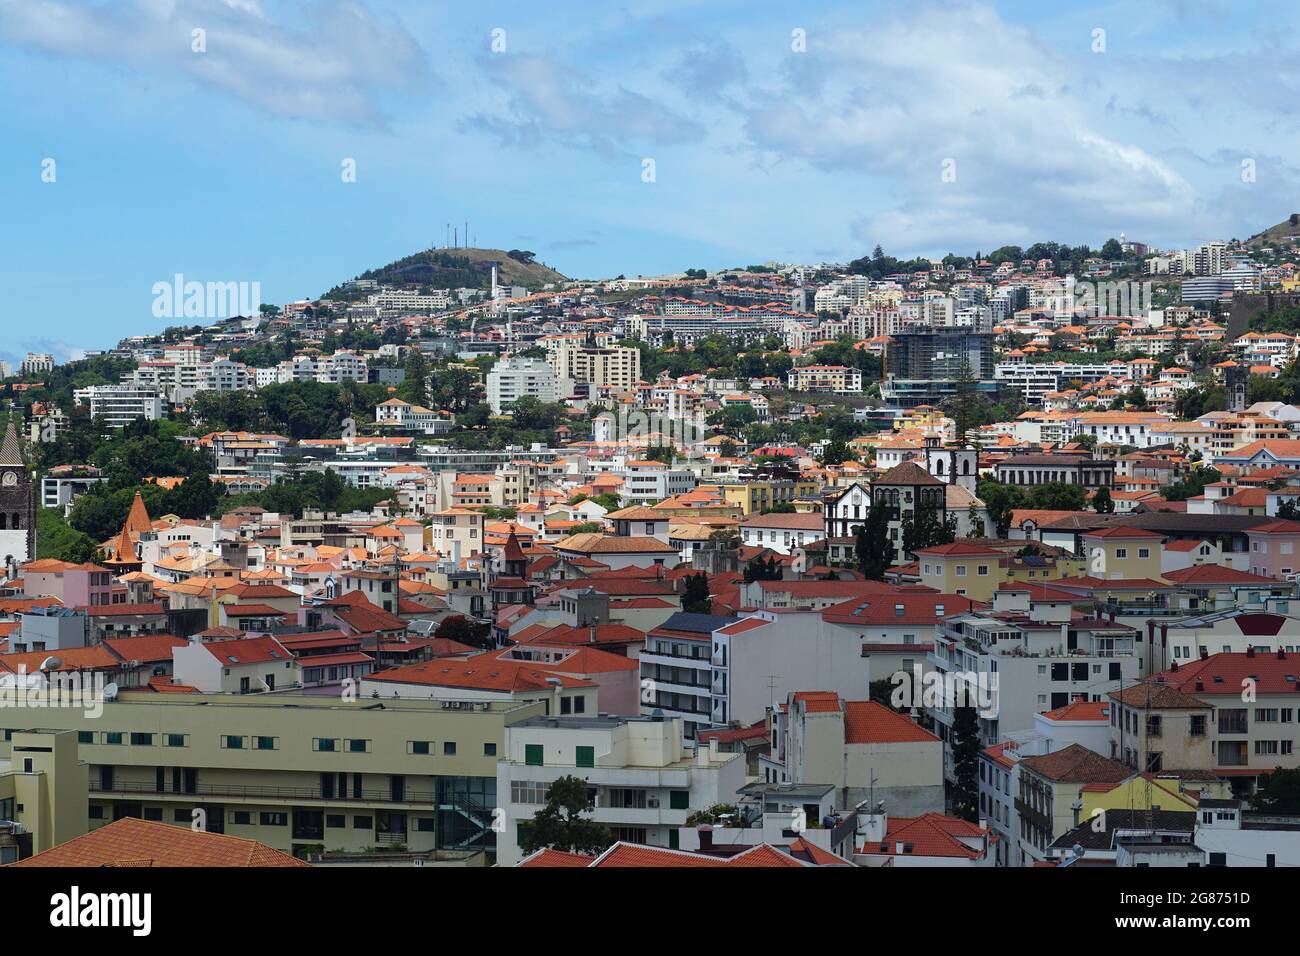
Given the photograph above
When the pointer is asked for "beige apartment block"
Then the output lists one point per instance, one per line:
(297, 772)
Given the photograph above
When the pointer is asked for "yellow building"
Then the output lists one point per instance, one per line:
(758, 496)
(977, 570)
(42, 790)
(292, 771)
(1122, 554)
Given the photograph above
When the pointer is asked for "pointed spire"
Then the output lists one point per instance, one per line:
(11, 452)
(124, 550)
(137, 519)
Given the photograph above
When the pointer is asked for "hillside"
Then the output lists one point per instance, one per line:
(457, 268)
(1285, 233)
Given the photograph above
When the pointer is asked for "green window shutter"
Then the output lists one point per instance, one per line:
(533, 755)
(586, 757)
(679, 799)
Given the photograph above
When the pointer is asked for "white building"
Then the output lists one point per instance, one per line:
(121, 404)
(642, 779)
(514, 378)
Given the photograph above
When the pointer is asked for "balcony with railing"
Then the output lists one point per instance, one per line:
(265, 794)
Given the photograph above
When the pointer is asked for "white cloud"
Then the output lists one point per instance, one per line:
(1034, 156)
(335, 66)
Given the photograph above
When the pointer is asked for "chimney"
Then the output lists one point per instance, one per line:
(706, 837)
(701, 756)
(1250, 650)
(713, 748)
(1281, 654)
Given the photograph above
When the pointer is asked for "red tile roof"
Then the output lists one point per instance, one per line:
(133, 842)
(868, 722)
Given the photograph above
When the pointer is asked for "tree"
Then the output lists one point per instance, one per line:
(873, 549)
(462, 630)
(1057, 496)
(977, 529)
(760, 570)
(561, 825)
(965, 763)
(55, 539)
(1000, 501)
(837, 453)
(1279, 793)
(415, 387)
(1192, 484)
(1102, 503)
(1287, 511)
(927, 530)
(695, 595)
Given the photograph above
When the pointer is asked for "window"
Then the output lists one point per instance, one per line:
(232, 742)
(1121, 554)
(335, 821)
(679, 799)
(274, 819)
(241, 817)
(323, 744)
(141, 740)
(363, 823)
(449, 748)
(421, 747)
(489, 750)
(265, 743)
(174, 740)
(113, 737)
(85, 736)
(533, 755)
(356, 746)
(1198, 725)
(586, 756)
(153, 813)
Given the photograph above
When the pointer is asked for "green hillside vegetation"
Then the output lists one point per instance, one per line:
(1284, 234)
(457, 269)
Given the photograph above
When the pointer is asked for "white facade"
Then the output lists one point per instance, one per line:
(644, 780)
(514, 378)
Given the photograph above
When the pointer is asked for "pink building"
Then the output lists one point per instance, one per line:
(1275, 549)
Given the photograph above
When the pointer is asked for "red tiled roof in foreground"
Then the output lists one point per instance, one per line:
(931, 834)
(132, 842)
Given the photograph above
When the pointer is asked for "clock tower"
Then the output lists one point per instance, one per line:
(17, 505)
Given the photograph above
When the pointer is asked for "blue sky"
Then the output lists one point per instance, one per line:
(225, 165)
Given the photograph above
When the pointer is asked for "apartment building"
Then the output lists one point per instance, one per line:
(613, 367)
(1253, 727)
(643, 781)
(1050, 798)
(119, 405)
(834, 379)
(1029, 664)
(514, 378)
(43, 792)
(292, 771)
(866, 750)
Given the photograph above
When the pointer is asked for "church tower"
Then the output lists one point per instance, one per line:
(17, 504)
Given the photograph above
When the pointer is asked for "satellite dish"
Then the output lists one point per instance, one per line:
(110, 691)
(50, 663)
